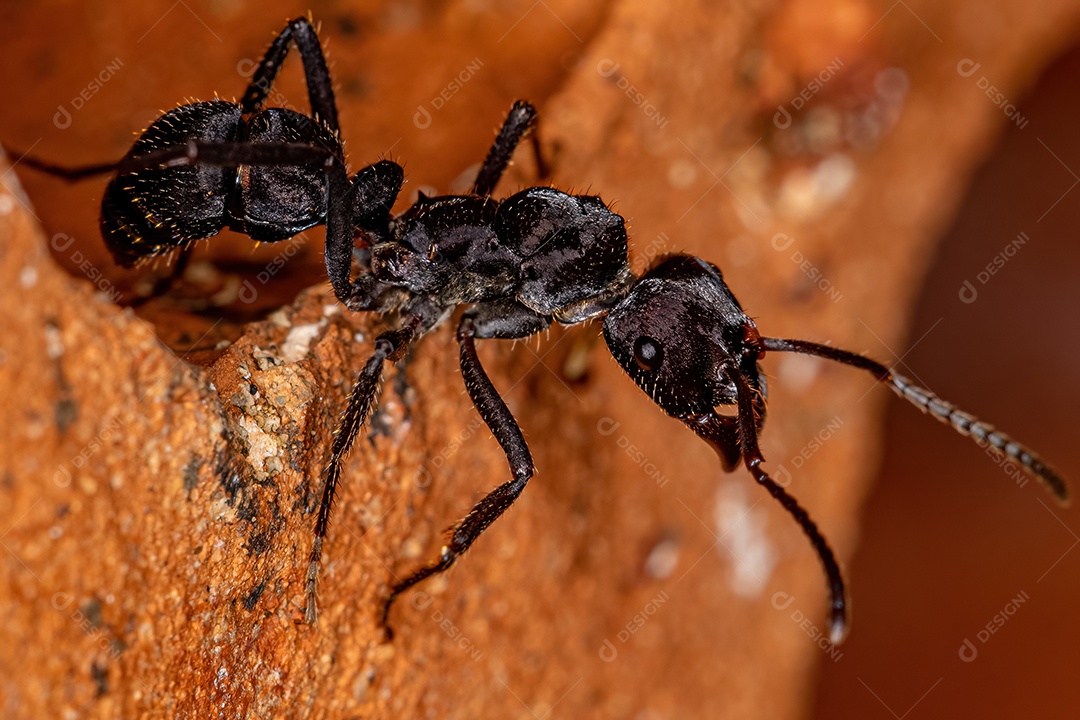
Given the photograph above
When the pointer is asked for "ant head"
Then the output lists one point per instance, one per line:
(409, 257)
(683, 338)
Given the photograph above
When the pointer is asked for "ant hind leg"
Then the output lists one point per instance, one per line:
(392, 346)
(316, 74)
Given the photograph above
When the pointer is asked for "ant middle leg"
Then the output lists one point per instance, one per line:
(505, 319)
(192, 152)
(72, 173)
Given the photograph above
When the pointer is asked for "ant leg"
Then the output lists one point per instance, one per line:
(373, 192)
(228, 154)
(496, 320)
(163, 284)
(377, 188)
(968, 425)
(365, 203)
(753, 458)
(316, 74)
(390, 346)
(193, 152)
(337, 249)
(543, 170)
(371, 295)
(520, 120)
(71, 174)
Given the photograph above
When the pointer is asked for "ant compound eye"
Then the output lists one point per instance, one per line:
(648, 353)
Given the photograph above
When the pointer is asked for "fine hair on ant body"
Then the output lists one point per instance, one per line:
(516, 265)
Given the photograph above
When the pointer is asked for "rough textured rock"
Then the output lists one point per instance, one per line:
(156, 501)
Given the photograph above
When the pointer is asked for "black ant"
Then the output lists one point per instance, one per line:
(269, 173)
(518, 264)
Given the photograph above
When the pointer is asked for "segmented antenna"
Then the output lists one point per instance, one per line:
(984, 434)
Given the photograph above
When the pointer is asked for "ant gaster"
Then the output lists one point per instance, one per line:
(518, 264)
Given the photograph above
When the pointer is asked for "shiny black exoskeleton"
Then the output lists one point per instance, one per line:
(269, 173)
(517, 265)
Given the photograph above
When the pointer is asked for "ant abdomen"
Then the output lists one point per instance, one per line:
(156, 210)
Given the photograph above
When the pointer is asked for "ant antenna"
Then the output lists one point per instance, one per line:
(984, 434)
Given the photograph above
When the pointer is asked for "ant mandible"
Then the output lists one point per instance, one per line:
(518, 264)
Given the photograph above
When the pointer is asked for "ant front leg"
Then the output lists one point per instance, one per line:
(496, 320)
(366, 205)
(390, 346)
(521, 121)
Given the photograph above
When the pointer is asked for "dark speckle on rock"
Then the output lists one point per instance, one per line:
(67, 412)
(191, 473)
(258, 543)
(254, 595)
(99, 672)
